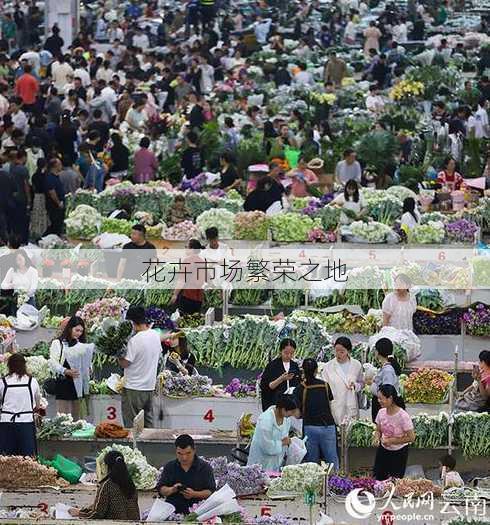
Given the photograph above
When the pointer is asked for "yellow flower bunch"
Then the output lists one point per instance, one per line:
(407, 89)
(348, 81)
(324, 98)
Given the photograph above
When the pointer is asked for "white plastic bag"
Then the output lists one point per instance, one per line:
(160, 511)
(274, 209)
(296, 451)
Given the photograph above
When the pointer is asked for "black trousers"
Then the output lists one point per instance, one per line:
(390, 463)
(56, 219)
(188, 306)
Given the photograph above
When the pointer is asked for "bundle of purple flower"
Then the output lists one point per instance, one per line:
(342, 486)
(159, 318)
(186, 386)
(243, 480)
(195, 184)
(461, 230)
(477, 320)
(238, 389)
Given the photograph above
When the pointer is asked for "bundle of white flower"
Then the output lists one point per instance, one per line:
(143, 474)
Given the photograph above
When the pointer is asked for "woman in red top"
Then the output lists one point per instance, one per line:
(449, 177)
(188, 293)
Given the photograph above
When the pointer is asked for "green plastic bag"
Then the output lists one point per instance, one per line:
(292, 156)
(67, 469)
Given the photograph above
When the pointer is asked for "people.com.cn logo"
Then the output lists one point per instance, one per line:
(358, 509)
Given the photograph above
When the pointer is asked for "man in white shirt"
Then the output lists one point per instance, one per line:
(19, 119)
(60, 71)
(109, 94)
(215, 251)
(262, 29)
(400, 32)
(141, 40)
(4, 103)
(374, 102)
(83, 75)
(479, 121)
(115, 32)
(303, 78)
(207, 76)
(140, 369)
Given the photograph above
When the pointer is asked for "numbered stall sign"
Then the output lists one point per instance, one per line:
(209, 416)
(105, 408)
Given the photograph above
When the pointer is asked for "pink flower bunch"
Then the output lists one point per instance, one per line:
(183, 231)
(320, 235)
(94, 313)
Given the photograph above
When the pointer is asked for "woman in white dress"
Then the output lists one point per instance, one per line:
(345, 377)
(70, 359)
(399, 306)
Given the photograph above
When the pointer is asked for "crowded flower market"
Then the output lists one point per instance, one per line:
(245, 261)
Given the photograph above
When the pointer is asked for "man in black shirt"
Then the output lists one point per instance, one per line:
(188, 479)
(136, 266)
(191, 159)
(101, 127)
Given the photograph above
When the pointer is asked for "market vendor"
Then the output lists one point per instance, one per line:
(399, 306)
(476, 397)
(186, 480)
(449, 177)
(281, 375)
(352, 203)
(180, 360)
(117, 497)
(302, 179)
(20, 397)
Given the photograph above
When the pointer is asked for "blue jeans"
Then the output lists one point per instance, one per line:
(321, 440)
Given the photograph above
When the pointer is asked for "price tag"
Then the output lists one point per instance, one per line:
(209, 416)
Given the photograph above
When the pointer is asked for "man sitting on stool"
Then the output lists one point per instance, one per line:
(188, 479)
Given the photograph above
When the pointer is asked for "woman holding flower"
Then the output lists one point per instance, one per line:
(351, 202)
(394, 432)
(22, 278)
(70, 358)
(344, 376)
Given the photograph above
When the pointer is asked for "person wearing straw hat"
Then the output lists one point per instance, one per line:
(325, 180)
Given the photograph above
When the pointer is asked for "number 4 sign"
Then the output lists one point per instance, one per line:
(209, 416)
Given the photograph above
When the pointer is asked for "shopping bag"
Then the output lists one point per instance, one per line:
(292, 156)
(67, 469)
(296, 451)
(160, 511)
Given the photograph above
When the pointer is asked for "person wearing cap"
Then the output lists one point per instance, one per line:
(325, 180)
(140, 368)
